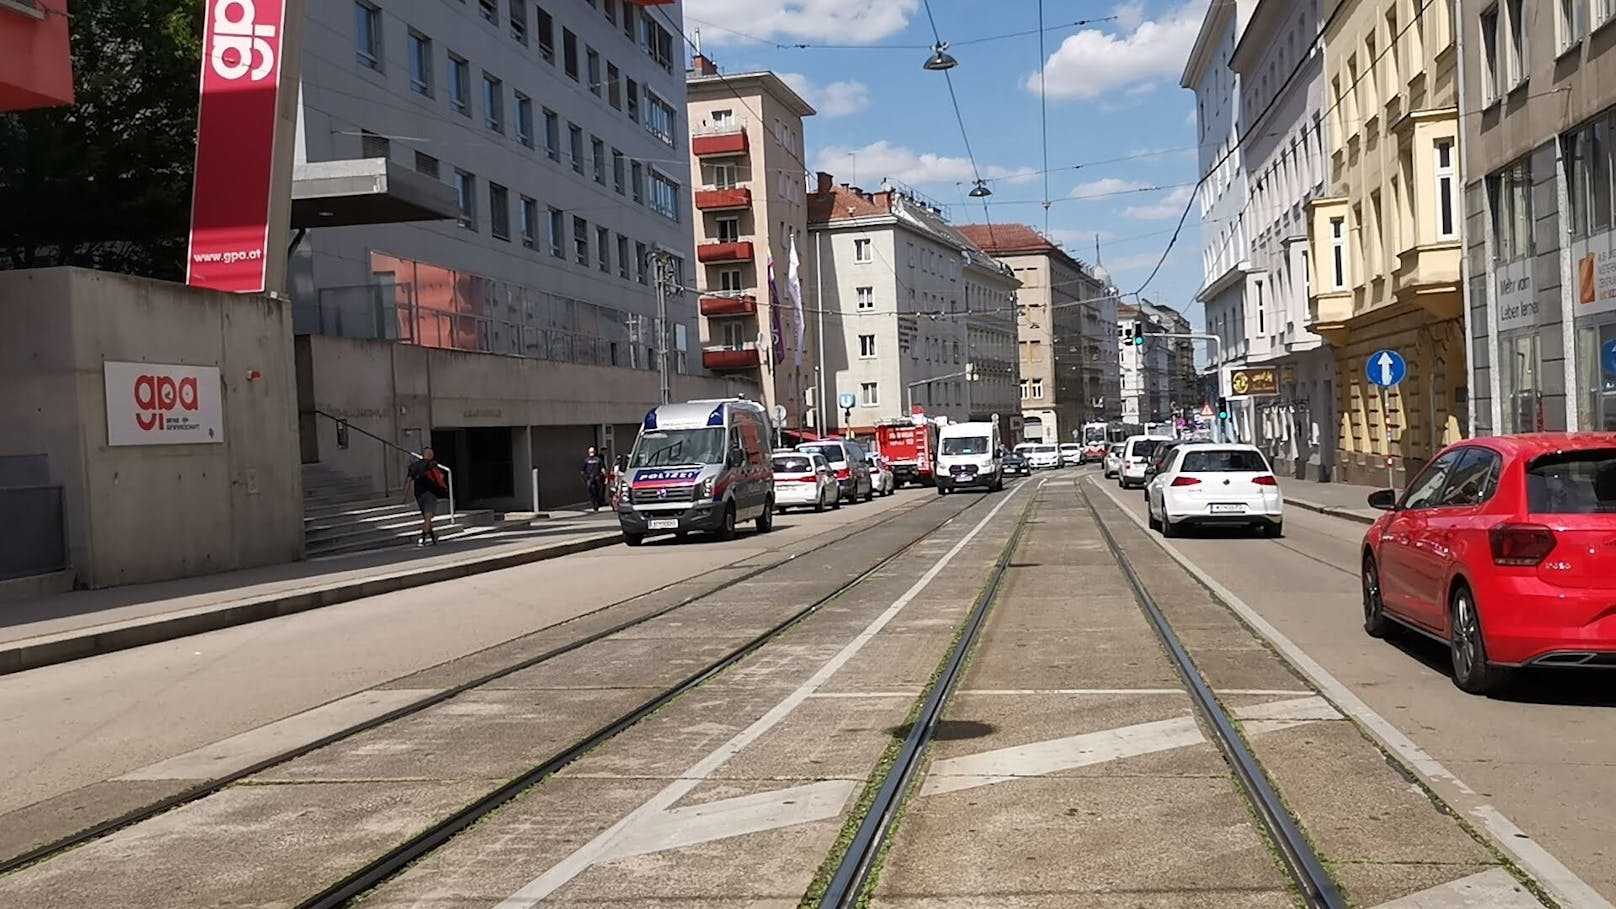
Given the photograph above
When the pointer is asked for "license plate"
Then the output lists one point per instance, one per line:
(1227, 509)
(664, 524)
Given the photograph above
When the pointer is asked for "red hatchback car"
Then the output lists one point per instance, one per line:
(1504, 548)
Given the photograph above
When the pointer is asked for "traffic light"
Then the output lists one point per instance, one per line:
(1138, 335)
(1223, 408)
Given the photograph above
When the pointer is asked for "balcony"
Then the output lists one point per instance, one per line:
(1428, 277)
(734, 251)
(730, 359)
(719, 141)
(1328, 315)
(728, 306)
(722, 199)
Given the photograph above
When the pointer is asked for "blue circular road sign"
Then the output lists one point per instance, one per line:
(1607, 356)
(1386, 368)
(846, 399)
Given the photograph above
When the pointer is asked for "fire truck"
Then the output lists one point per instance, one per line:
(910, 448)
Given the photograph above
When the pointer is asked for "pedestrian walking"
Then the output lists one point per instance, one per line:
(428, 481)
(594, 474)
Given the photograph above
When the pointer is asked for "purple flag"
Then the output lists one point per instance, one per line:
(774, 317)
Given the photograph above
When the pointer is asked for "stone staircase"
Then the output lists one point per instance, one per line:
(343, 514)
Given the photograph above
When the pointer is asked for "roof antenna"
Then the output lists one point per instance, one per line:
(698, 42)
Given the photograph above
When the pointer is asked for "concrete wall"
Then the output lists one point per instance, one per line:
(147, 513)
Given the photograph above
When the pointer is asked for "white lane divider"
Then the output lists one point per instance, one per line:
(1494, 888)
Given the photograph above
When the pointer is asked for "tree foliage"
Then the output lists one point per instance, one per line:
(106, 182)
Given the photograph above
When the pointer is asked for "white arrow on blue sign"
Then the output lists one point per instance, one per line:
(1386, 368)
(1607, 356)
(846, 400)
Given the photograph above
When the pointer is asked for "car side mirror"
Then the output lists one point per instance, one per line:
(1383, 499)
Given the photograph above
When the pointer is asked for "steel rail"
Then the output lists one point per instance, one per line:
(202, 790)
(1302, 863)
(852, 875)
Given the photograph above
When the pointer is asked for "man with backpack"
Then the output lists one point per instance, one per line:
(429, 483)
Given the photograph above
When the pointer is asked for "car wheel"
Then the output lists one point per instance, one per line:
(726, 530)
(819, 504)
(1150, 517)
(836, 504)
(1375, 623)
(1168, 528)
(633, 539)
(1273, 530)
(1468, 646)
(765, 521)
(942, 490)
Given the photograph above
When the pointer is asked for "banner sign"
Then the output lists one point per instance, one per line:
(158, 404)
(235, 145)
(1259, 381)
(1595, 261)
(1517, 299)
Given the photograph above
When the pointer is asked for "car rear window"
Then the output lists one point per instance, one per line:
(1573, 482)
(1224, 461)
(832, 453)
(793, 465)
(1145, 447)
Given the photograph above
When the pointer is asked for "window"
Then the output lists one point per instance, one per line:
(459, 85)
(729, 229)
(869, 395)
(1024, 389)
(1603, 11)
(546, 34)
(637, 181)
(1587, 153)
(633, 94)
(524, 119)
(1037, 388)
(420, 64)
(603, 249)
(1427, 487)
(866, 298)
(1474, 479)
(558, 224)
(658, 44)
(575, 137)
(641, 273)
(569, 54)
(519, 21)
(866, 347)
(628, 21)
(723, 176)
(734, 336)
(499, 211)
(488, 9)
(619, 172)
(368, 36)
(862, 251)
(493, 103)
(580, 240)
(1571, 22)
(622, 257)
(552, 135)
(1573, 482)
(660, 119)
(466, 199)
(1445, 176)
(1492, 61)
(426, 164)
(614, 87)
(1338, 253)
(374, 146)
(593, 61)
(529, 222)
(664, 196)
(610, 9)
(1509, 194)
(730, 280)
(598, 152)
(1517, 45)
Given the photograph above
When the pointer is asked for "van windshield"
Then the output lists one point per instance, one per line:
(676, 447)
(965, 445)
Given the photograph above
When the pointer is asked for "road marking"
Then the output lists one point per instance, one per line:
(1561, 883)
(600, 847)
(238, 752)
(738, 816)
(1491, 889)
(1034, 692)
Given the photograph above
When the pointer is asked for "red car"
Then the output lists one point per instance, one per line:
(1503, 548)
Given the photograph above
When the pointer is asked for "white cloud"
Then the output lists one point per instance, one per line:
(1168, 206)
(838, 99)
(829, 21)
(1108, 186)
(1094, 64)
(1129, 14)
(881, 159)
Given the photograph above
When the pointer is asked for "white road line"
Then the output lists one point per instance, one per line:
(1561, 883)
(856, 695)
(1033, 692)
(741, 816)
(601, 846)
(238, 752)
(1491, 889)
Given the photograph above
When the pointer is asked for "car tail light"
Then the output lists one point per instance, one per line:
(1265, 480)
(1186, 481)
(810, 478)
(1521, 545)
(846, 473)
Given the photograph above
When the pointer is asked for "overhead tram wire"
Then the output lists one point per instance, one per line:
(778, 45)
(1043, 110)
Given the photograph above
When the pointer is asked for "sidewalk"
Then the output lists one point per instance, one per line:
(1341, 500)
(55, 629)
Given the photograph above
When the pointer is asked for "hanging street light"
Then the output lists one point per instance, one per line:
(980, 191)
(940, 58)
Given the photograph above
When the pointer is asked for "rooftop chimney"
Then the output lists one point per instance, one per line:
(826, 183)
(701, 65)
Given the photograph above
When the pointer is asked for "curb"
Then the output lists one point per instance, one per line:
(1331, 510)
(63, 647)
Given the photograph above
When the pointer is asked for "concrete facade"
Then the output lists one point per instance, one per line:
(1385, 239)
(1147, 369)
(752, 190)
(1538, 114)
(154, 512)
(915, 314)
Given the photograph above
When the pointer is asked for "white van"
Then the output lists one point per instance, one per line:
(969, 454)
(1136, 453)
(702, 465)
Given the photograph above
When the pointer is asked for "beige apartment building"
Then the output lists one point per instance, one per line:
(1385, 238)
(750, 211)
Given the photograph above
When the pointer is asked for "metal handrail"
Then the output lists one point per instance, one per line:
(396, 447)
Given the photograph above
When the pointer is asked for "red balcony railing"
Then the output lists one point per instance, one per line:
(720, 199)
(718, 141)
(737, 251)
(725, 359)
(728, 306)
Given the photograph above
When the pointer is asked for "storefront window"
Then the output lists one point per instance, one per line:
(1598, 410)
(1523, 400)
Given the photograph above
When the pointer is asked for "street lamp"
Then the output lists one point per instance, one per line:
(980, 191)
(940, 58)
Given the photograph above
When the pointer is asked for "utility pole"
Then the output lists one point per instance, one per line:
(821, 411)
(663, 264)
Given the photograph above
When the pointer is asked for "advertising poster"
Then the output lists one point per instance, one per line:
(161, 404)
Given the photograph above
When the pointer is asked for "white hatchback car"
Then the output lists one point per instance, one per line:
(1113, 459)
(881, 476)
(804, 479)
(1043, 457)
(1208, 484)
(1071, 454)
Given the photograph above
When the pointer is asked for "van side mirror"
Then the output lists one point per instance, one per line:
(1383, 499)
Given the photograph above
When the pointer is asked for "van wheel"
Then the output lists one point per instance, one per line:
(633, 539)
(765, 521)
(726, 530)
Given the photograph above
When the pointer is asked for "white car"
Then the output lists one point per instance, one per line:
(1136, 452)
(1208, 484)
(804, 479)
(1043, 457)
(881, 476)
(1113, 459)
(1071, 454)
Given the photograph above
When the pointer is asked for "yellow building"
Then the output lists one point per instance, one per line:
(1386, 239)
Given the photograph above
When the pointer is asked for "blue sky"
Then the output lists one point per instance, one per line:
(1112, 93)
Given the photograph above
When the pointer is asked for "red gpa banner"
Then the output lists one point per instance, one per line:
(235, 145)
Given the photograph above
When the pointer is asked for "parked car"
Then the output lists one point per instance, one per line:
(851, 466)
(1015, 465)
(882, 477)
(1504, 549)
(1113, 460)
(1071, 454)
(1207, 484)
(804, 479)
(1136, 452)
(1158, 461)
(1043, 457)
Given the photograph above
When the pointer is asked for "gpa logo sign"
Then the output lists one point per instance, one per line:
(235, 144)
(157, 404)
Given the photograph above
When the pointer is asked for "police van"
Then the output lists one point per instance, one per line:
(701, 465)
